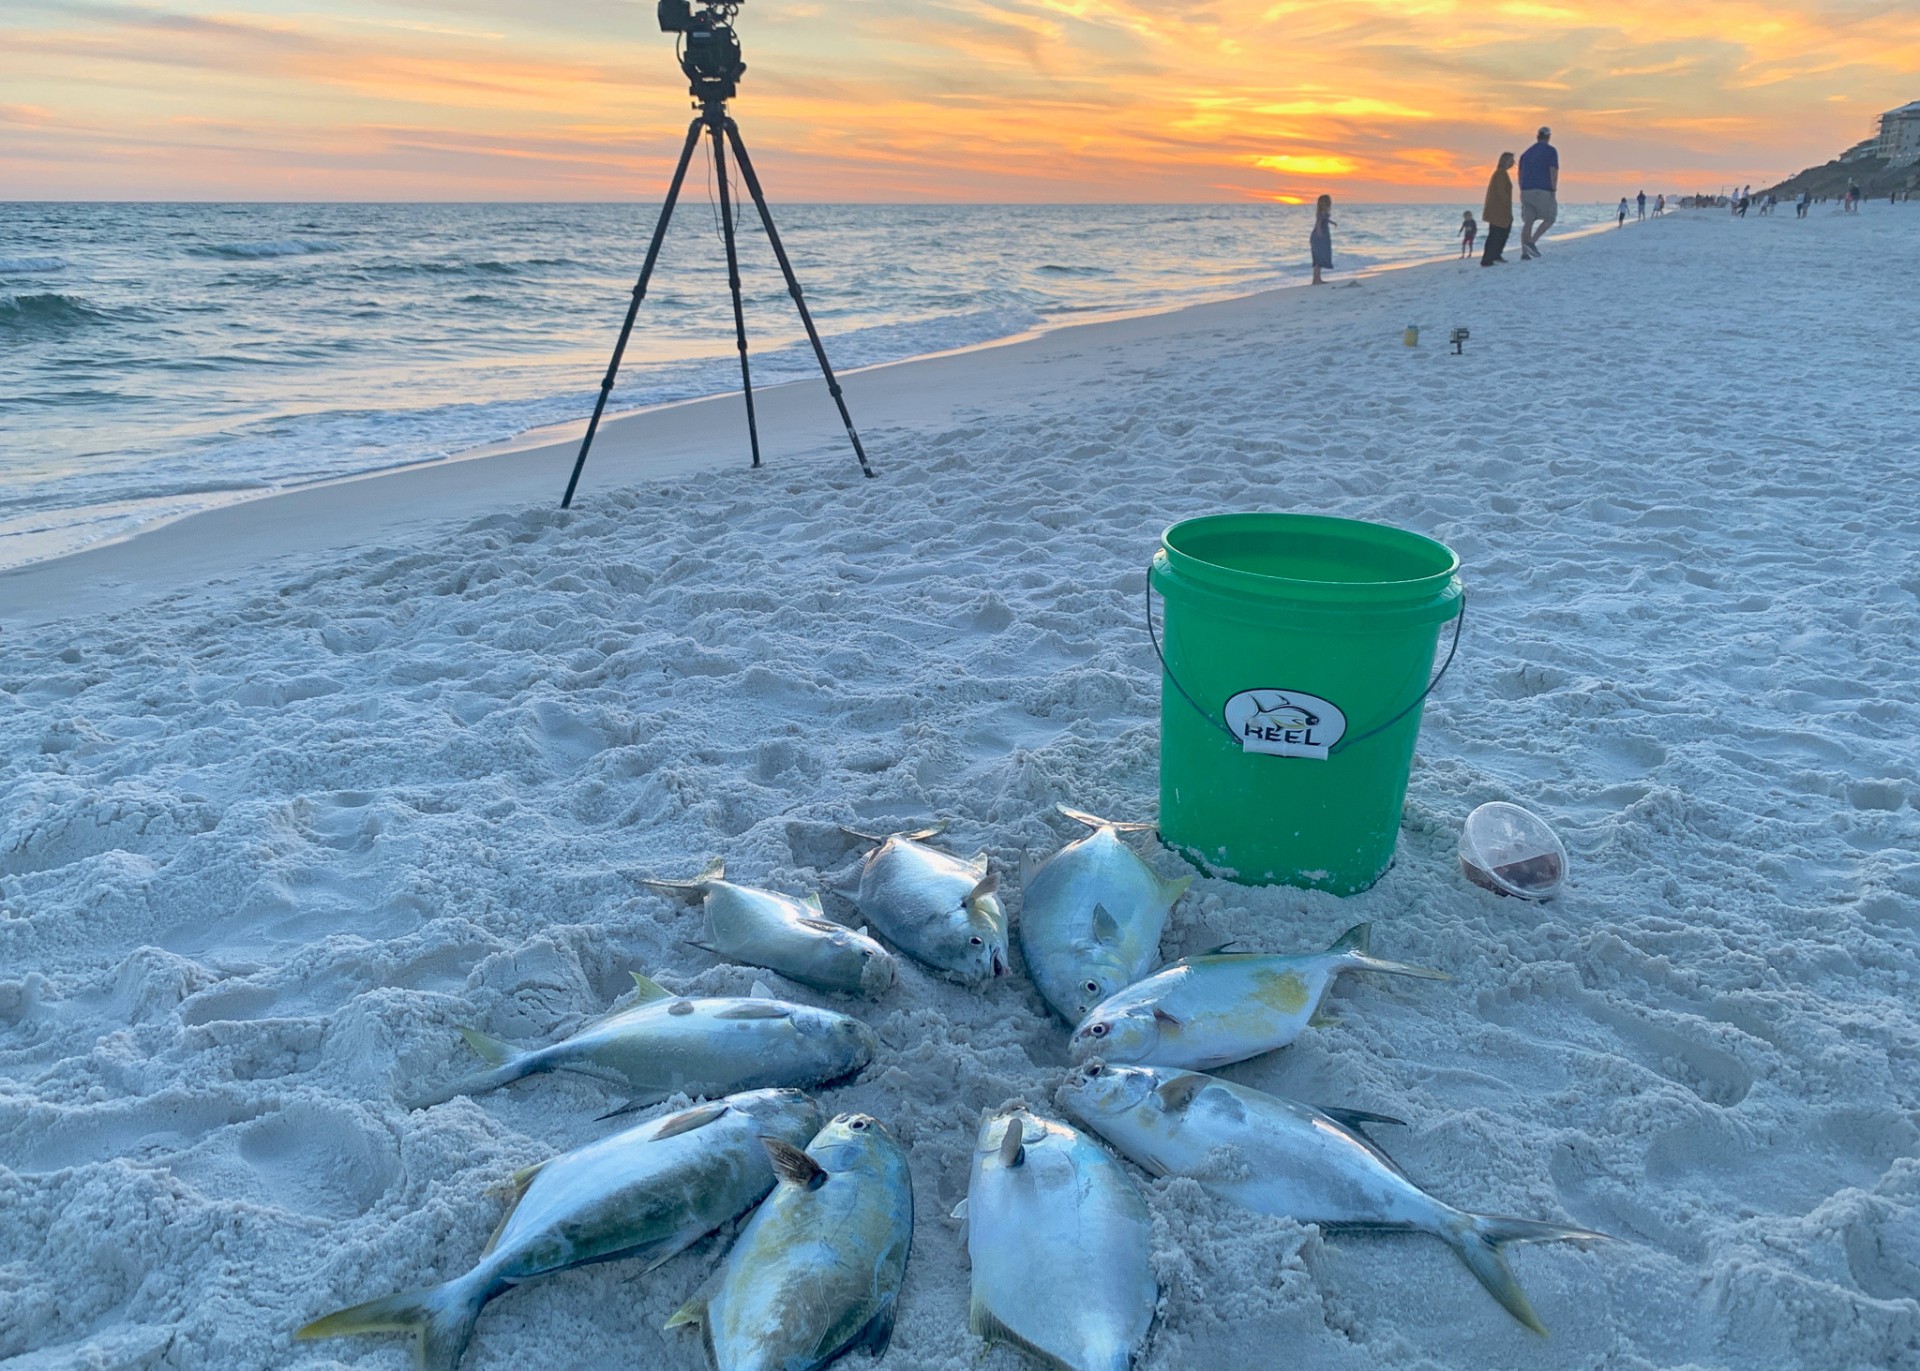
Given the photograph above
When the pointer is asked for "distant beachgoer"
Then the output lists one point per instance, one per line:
(1321, 239)
(1802, 205)
(1853, 197)
(1469, 230)
(1539, 189)
(1659, 205)
(1498, 211)
(1641, 200)
(1623, 213)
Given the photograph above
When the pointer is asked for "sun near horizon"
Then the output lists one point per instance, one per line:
(934, 100)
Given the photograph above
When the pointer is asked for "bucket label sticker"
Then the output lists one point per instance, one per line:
(1284, 723)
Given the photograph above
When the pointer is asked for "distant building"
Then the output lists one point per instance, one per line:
(1899, 140)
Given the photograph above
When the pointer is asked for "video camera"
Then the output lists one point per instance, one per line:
(710, 52)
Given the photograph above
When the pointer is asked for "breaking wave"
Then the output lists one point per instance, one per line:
(21, 266)
(271, 247)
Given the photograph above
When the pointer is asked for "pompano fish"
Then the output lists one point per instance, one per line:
(668, 1043)
(1284, 1158)
(1091, 917)
(1221, 1007)
(761, 928)
(817, 1270)
(939, 909)
(648, 1193)
(1060, 1243)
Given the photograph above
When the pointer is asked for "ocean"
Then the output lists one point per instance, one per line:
(161, 358)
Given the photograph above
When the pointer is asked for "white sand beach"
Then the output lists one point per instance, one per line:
(297, 787)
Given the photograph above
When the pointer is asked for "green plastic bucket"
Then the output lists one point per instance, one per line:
(1299, 650)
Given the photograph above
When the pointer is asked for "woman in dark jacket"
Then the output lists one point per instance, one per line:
(1497, 213)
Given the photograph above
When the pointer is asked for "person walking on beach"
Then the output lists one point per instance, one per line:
(1539, 189)
(1641, 200)
(1659, 204)
(1623, 213)
(1469, 230)
(1321, 239)
(1498, 211)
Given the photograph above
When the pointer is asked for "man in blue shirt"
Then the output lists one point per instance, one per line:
(1539, 187)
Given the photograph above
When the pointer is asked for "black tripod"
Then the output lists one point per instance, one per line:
(713, 117)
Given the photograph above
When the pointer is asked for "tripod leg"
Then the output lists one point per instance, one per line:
(793, 288)
(633, 309)
(733, 283)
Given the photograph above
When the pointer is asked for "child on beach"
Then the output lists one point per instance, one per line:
(1469, 230)
(1320, 241)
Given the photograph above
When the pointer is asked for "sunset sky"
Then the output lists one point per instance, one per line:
(971, 100)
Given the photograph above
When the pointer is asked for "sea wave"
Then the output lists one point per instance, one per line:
(21, 313)
(270, 247)
(21, 266)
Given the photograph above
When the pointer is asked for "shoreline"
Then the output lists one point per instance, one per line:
(57, 546)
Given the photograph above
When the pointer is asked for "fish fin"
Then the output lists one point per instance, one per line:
(878, 1333)
(715, 870)
(822, 925)
(1213, 951)
(792, 1165)
(1080, 816)
(1322, 1019)
(634, 1105)
(986, 886)
(915, 836)
(490, 1050)
(1171, 891)
(1180, 1092)
(759, 1005)
(691, 1314)
(704, 947)
(646, 991)
(440, 1318)
(1013, 1144)
(1360, 961)
(687, 1120)
(982, 1322)
(508, 1064)
(760, 991)
(1357, 1119)
(864, 931)
(1478, 1239)
(812, 901)
(959, 1210)
(1356, 939)
(1106, 928)
(1161, 1016)
(514, 1190)
(1029, 868)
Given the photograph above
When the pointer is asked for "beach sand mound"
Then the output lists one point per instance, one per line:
(265, 846)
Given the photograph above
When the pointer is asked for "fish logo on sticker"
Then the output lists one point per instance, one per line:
(1284, 723)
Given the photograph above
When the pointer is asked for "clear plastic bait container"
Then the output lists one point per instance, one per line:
(1509, 851)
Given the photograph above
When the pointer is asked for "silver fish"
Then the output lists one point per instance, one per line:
(1091, 917)
(668, 1043)
(760, 928)
(647, 1193)
(1221, 1007)
(817, 1270)
(939, 909)
(1061, 1244)
(1281, 1157)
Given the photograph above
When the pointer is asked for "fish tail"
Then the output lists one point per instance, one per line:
(716, 870)
(1353, 950)
(1080, 816)
(508, 1063)
(1478, 1239)
(441, 1319)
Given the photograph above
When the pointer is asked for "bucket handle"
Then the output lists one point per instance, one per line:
(1459, 621)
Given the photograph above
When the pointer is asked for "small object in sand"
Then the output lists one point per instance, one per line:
(1510, 851)
(1458, 337)
(1412, 336)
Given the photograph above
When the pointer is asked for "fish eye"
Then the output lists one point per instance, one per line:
(1091, 987)
(858, 1125)
(1093, 1069)
(977, 941)
(1099, 1030)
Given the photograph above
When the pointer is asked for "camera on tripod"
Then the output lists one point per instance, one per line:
(710, 54)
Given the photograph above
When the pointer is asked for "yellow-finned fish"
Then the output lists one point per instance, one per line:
(1091, 917)
(1221, 1007)
(793, 937)
(938, 908)
(1061, 1245)
(818, 1269)
(668, 1043)
(646, 1193)
(1280, 1157)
